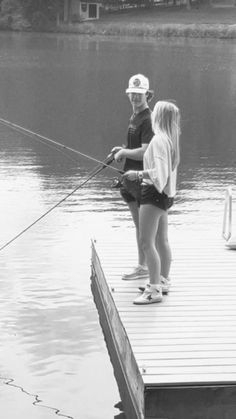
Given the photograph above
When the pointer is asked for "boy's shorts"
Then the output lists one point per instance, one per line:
(130, 191)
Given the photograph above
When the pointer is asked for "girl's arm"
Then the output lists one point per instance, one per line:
(158, 175)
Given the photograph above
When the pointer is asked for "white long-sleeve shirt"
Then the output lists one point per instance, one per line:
(158, 163)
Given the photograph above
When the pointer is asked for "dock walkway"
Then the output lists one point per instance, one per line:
(175, 359)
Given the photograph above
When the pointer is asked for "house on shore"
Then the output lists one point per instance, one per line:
(77, 10)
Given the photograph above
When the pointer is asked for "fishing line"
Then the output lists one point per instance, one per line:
(46, 140)
(105, 164)
(52, 147)
(37, 402)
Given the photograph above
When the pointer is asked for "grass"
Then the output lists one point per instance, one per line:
(178, 14)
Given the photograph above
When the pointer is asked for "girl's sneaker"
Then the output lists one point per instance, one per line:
(141, 272)
(151, 294)
(165, 285)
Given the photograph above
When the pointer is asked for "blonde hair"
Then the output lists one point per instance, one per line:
(166, 120)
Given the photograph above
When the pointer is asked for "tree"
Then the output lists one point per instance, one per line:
(9, 6)
(188, 2)
(47, 9)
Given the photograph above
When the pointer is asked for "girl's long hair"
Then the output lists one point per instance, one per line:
(166, 120)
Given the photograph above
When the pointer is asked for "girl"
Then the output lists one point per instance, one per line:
(158, 178)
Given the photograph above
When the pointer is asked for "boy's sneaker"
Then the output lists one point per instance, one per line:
(141, 272)
(150, 295)
(165, 285)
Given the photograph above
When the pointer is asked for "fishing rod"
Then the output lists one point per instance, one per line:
(109, 159)
(46, 140)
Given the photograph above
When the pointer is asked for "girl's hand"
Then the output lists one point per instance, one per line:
(131, 175)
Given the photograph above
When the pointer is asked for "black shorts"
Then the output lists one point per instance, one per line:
(130, 191)
(150, 195)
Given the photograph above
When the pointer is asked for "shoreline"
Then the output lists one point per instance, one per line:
(167, 30)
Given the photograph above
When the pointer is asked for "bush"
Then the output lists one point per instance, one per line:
(39, 20)
(76, 18)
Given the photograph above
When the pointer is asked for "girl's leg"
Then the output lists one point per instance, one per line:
(134, 209)
(149, 217)
(162, 245)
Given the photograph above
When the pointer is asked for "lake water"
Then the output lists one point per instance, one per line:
(71, 89)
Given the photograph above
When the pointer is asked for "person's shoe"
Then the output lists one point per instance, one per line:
(165, 285)
(141, 272)
(150, 295)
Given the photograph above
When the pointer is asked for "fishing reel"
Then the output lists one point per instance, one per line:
(116, 183)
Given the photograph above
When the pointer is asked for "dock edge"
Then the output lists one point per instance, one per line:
(126, 371)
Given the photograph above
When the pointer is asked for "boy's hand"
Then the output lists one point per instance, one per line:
(120, 155)
(116, 149)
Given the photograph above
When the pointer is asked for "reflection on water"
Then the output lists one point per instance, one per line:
(120, 415)
(68, 88)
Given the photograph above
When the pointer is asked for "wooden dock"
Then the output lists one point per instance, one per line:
(175, 359)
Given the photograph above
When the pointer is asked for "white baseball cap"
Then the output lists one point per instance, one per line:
(138, 84)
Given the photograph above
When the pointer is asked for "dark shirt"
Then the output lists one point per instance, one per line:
(139, 132)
